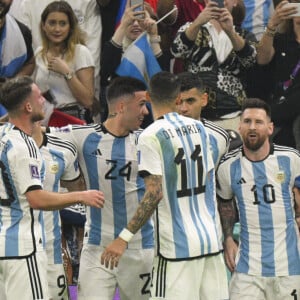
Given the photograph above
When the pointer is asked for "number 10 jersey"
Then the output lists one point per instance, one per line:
(269, 238)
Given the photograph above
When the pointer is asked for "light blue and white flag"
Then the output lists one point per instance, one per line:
(13, 51)
(138, 61)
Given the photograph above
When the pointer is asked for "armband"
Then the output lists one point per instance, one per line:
(126, 235)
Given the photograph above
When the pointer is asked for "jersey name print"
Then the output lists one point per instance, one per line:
(178, 149)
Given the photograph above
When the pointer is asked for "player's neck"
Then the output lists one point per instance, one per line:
(115, 128)
(259, 154)
(159, 111)
(23, 124)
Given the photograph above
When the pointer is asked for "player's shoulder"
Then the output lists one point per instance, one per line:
(78, 129)
(231, 156)
(285, 150)
(20, 142)
(216, 130)
(60, 144)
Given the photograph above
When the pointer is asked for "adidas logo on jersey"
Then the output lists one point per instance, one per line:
(97, 152)
(241, 181)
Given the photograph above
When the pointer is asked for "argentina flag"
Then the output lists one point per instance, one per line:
(139, 61)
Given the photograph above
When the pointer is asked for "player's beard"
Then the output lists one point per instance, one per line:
(38, 116)
(254, 145)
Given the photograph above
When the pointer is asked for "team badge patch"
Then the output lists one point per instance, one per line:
(54, 168)
(280, 176)
(34, 170)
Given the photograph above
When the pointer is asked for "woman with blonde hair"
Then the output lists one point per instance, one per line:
(64, 65)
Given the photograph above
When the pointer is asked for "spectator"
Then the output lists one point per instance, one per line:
(64, 66)
(278, 49)
(89, 21)
(17, 57)
(130, 29)
(187, 11)
(114, 10)
(220, 55)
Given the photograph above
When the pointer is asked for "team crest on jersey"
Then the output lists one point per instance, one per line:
(280, 176)
(34, 170)
(54, 167)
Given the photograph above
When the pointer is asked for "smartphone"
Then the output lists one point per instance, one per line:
(48, 95)
(294, 4)
(135, 2)
(220, 3)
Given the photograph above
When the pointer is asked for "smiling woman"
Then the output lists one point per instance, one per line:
(64, 65)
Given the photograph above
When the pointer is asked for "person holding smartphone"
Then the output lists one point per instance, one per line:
(220, 53)
(279, 50)
(134, 22)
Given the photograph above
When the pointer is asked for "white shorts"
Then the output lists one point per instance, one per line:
(249, 287)
(132, 277)
(57, 282)
(203, 278)
(24, 278)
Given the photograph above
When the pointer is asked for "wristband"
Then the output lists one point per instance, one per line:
(126, 235)
(69, 75)
(270, 29)
(270, 32)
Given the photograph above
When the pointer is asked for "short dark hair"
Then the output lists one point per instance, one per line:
(123, 86)
(164, 87)
(189, 81)
(257, 103)
(14, 91)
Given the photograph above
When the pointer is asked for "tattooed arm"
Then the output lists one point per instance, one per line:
(228, 217)
(153, 194)
(148, 204)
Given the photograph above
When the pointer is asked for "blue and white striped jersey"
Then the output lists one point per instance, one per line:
(21, 169)
(219, 140)
(187, 219)
(109, 164)
(257, 15)
(61, 163)
(269, 238)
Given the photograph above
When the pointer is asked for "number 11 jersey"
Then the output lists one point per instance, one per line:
(187, 220)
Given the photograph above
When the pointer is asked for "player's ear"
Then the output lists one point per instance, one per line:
(204, 99)
(28, 106)
(148, 98)
(178, 99)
